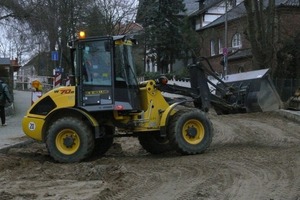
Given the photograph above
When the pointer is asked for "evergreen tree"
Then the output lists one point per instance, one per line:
(162, 22)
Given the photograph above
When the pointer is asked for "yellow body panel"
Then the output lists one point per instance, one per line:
(32, 127)
(63, 96)
(91, 119)
(153, 104)
(165, 115)
(152, 118)
(32, 124)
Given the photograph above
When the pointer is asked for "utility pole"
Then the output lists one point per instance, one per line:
(225, 50)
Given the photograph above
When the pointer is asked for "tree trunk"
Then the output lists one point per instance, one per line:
(261, 32)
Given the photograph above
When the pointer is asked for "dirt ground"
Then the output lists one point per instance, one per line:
(253, 156)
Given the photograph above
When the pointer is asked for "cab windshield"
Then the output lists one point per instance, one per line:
(96, 63)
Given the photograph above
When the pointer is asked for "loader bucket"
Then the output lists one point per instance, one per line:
(260, 93)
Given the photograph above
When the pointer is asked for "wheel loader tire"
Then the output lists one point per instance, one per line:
(153, 143)
(190, 132)
(102, 145)
(69, 140)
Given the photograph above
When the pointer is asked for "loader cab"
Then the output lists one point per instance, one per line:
(105, 74)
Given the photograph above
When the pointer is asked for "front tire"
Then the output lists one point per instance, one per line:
(190, 132)
(69, 140)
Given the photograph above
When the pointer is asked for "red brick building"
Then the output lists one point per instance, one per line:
(212, 34)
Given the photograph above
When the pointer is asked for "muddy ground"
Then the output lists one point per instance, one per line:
(253, 156)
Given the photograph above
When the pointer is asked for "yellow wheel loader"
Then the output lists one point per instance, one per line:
(80, 120)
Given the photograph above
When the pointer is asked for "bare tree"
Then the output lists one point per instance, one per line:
(53, 22)
(20, 41)
(117, 15)
(13, 9)
(4, 48)
(16, 40)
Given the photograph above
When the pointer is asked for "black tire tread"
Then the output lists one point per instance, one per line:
(87, 140)
(149, 141)
(175, 136)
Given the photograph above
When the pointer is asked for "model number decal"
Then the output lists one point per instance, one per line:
(64, 91)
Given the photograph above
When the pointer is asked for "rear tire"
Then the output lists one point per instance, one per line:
(69, 140)
(190, 132)
(102, 145)
(153, 143)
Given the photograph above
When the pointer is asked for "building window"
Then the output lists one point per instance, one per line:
(212, 47)
(236, 41)
(220, 46)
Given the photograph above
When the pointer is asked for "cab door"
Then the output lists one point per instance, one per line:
(95, 91)
(126, 88)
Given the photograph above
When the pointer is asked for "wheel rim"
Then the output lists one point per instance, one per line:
(67, 141)
(193, 131)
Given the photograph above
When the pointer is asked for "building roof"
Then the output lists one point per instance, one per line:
(235, 13)
(4, 61)
(291, 3)
(207, 4)
(129, 28)
(191, 6)
(40, 58)
(240, 11)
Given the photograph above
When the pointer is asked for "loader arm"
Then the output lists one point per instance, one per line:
(239, 93)
(199, 90)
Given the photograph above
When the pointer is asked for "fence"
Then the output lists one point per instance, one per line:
(48, 82)
(24, 82)
(286, 87)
